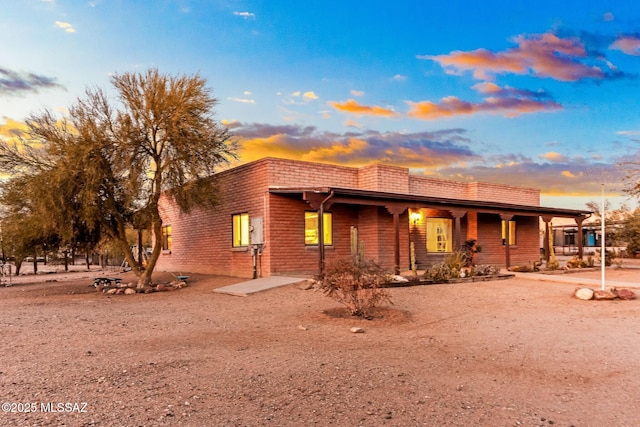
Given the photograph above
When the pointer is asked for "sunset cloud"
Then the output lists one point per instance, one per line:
(507, 101)
(10, 128)
(553, 156)
(575, 177)
(540, 55)
(309, 96)
(18, 83)
(416, 150)
(357, 92)
(627, 44)
(353, 107)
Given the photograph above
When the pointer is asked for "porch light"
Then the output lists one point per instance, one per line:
(416, 217)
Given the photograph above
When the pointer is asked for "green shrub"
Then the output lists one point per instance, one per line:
(355, 284)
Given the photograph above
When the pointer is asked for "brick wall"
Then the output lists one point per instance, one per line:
(526, 249)
(432, 187)
(294, 173)
(392, 179)
(503, 193)
(202, 240)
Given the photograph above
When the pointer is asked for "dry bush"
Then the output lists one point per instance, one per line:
(355, 284)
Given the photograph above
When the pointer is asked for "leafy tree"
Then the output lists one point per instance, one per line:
(109, 163)
(630, 232)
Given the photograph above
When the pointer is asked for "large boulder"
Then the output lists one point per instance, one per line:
(626, 294)
(604, 295)
(583, 293)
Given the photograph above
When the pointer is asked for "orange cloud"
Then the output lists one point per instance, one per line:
(554, 156)
(541, 55)
(12, 128)
(509, 106)
(417, 150)
(353, 107)
(627, 44)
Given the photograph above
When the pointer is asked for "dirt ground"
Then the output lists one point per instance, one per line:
(514, 352)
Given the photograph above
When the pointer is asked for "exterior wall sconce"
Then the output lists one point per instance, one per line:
(416, 217)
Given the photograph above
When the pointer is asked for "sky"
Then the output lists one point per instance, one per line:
(541, 94)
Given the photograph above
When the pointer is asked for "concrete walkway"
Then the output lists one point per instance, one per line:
(578, 281)
(244, 289)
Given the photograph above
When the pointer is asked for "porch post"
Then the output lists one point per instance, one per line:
(507, 253)
(545, 244)
(396, 210)
(319, 201)
(457, 233)
(580, 237)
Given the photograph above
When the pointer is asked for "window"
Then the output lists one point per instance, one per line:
(439, 234)
(311, 228)
(240, 230)
(166, 238)
(512, 233)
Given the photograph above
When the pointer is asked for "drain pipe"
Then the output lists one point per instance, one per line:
(321, 233)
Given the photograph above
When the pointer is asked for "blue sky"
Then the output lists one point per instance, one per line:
(541, 94)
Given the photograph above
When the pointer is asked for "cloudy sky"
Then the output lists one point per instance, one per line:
(543, 94)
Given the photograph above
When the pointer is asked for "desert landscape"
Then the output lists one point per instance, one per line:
(515, 352)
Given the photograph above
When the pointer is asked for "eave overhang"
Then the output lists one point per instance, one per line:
(378, 198)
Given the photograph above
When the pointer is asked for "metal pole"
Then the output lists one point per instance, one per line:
(602, 238)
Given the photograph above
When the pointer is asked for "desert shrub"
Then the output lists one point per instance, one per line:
(451, 268)
(355, 284)
(577, 262)
(439, 272)
(552, 264)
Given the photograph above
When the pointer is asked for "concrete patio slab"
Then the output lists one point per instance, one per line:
(244, 289)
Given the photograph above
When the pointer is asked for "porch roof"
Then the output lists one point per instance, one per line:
(380, 198)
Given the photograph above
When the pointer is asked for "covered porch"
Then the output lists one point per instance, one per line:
(459, 220)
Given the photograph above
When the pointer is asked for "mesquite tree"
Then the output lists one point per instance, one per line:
(108, 162)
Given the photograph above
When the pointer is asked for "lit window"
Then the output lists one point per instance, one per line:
(166, 238)
(240, 230)
(439, 234)
(512, 233)
(311, 228)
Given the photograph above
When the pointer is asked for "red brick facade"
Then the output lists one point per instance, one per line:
(202, 240)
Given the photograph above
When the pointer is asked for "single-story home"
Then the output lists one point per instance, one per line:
(279, 216)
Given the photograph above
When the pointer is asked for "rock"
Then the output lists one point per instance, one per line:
(111, 291)
(129, 291)
(399, 279)
(302, 328)
(603, 295)
(626, 294)
(160, 288)
(147, 289)
(583, 293)
(305, 286)
(357, 330)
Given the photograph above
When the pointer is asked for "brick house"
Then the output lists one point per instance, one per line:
(267, 222)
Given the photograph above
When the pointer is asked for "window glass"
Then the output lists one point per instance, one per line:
(166, 238)
(512, 233)
(439, 234)
(311, 228)
(240, 230)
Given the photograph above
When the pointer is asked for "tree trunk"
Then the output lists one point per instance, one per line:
(145, 278)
